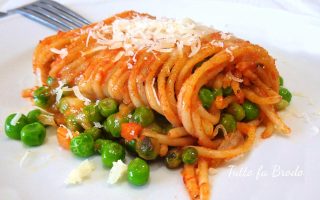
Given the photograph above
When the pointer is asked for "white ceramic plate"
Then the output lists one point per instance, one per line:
(293, 40)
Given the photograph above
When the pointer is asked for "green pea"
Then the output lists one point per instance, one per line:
(147, 148)
(156, 127)
(50, 80)
(285, 93)
(108, 107)
(99, 143)
(164, 124)
(252, 110)
(82, 122)
(95, 132)
(280, 81)
(217, 92)
(131, 146)
(160, 124)
(72, 123)
(111, 153)
(113, 124)
(173, 159)
(33, 115)
(41, 97)
(82, 145)
(33, 134)
(206, 97)
(143, 115)
(63, 105)
(92, 113)
(227, 91)
(189, 155)
(237, 111)
(138, 172)
(201, 62)
(13, 131)
(282, 105)
(228, 122)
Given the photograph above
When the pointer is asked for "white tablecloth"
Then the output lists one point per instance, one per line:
(303, 7)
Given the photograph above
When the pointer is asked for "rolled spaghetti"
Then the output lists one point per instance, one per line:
(166, 65)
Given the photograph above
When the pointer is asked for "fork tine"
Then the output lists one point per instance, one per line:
(51, 15)
(66, 10)
(41, 18)
(62, 14)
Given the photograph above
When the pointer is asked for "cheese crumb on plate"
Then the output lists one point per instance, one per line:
(83, 171)
(117, 171)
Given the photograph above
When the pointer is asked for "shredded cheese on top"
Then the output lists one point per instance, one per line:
(129, 65)
(229, 51)
(217, 43)
(62, 52)
(69, 134)
(80, 96)
(225, 36)
(15, 119)
(58, 91)
(161, 34)
(233, 77)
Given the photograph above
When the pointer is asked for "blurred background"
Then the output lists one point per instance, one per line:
(303, 7)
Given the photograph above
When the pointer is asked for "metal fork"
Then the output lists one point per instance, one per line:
(51, 14)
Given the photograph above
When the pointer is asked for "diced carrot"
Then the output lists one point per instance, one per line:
(63, 137)
(130, 131)
(28, 93)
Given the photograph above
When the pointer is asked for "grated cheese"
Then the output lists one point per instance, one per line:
(83, 171)
(24, 158)
(129, 65)
(225, 36)
(161, 34)
(62, 52)
(229, 51)
(80, 96)
(117, 171)
(58, 91)
(99, 48)
(217, 43)
(97, 102)
(15, 119)
(97, 125)
(195, 48)
(233, 77)
(81, 116)
(69, 134)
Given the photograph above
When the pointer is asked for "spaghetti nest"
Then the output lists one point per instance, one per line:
(164, 67)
